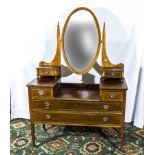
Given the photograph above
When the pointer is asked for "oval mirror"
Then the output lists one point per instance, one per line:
(81, 40)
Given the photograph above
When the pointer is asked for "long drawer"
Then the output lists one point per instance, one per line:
(75, 119)
(100, 106)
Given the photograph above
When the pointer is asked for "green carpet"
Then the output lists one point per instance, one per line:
(60, 140)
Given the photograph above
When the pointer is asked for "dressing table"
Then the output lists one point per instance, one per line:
(100, 105)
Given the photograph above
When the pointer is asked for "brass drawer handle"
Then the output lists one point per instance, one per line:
(106, 107)
(46, 72)
(119, 105)
(105, 119)
(40, 92)
(47, 104)
(48, 116)
(112, 96)
(113, 74)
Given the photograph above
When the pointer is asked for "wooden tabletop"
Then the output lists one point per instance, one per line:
(113, 84)
(117, 84)
(44, 82)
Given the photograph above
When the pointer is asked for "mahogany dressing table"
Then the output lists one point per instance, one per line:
(100, 105)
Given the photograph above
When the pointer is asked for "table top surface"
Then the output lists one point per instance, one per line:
(110, 84)
(117, 84)
(44, 82)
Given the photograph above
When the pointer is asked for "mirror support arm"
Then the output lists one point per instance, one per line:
(110, 70)
(56, 62)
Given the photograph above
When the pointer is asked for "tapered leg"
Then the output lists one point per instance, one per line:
(44, 127)
(122, 137)
(33, 134)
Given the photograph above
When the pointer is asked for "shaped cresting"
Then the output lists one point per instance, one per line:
(53, 68)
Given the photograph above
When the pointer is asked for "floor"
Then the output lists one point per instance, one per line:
(61, 140)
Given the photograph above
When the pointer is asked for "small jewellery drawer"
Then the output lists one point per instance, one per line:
(76, 118)
(111, 96)
(48, 71)
(41, 92)
(113, 74)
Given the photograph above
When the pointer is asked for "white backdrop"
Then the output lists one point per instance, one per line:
(35, 35)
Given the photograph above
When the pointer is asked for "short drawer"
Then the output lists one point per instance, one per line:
(111, 96)
(41, 93)
(76, 119)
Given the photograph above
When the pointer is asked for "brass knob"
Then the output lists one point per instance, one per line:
(112, 73)
(40, 92)
(48, 116)
(105, 119)
(105, 106)
(119, 105)
(112, 96)
(47, 104)
(46, 72)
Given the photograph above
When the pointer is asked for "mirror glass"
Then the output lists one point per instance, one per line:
(81, 41)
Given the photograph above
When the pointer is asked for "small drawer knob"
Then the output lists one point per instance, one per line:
(48, 116)
(46, 72)
(40, 92)
(119, 105)
(105, 119)
(47, 104)
(106, 107)
(112, 96)
(113, 74)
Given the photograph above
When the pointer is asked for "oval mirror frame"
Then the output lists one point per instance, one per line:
(98, 46)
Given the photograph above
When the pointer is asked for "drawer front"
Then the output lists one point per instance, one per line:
(50, 104)
(113, 74)
(97, 106)
(111, 96)
(76, 119)
(72, 105)
(41, 93)
(48, 71)
(43, 104)
(111, 107)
